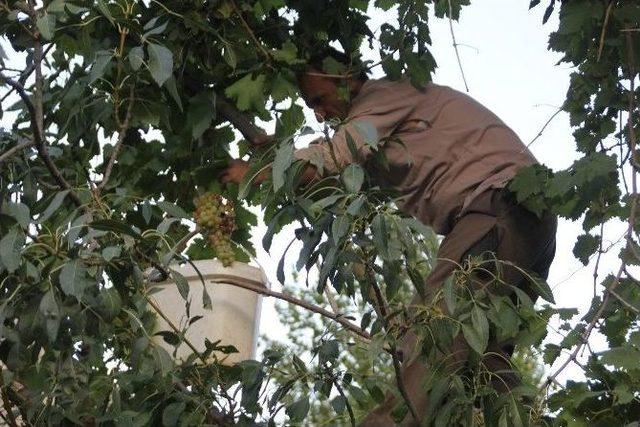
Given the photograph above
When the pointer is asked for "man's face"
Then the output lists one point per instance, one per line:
(322, 95)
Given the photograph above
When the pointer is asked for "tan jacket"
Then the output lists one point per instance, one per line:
(453, 147)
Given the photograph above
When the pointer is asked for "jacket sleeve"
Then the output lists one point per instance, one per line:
(369, 122)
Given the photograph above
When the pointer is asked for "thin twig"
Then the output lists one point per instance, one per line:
(25, 74)
(122, 133)
(15, 149)
(607, 17)
(259, 288)
(545, 127)
(597, 266)
(158, 310)
(397, 367)
(625, 303)
(352, 417)
(252, 35)
(455, 47)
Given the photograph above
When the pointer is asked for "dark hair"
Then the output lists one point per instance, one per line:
(352, 63)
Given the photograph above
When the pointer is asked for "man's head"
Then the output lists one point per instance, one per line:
(329, 94)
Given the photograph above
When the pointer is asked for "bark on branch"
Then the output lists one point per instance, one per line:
(241, 121)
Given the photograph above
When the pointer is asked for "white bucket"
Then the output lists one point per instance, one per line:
(233, 319)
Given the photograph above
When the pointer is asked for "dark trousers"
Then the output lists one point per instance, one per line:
(494, 222)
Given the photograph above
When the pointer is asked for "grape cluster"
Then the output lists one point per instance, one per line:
(217, 218)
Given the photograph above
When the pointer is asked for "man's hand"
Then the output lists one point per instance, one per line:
(235, 171)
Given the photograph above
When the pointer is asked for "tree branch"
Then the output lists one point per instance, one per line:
(38, 138)
(259, 288)
(545, 127)
(25, 75)
(607, 17)
(383, 310)
(455, 47)
(122, 133)
(240, 121)
(13, 150)
(252, 35)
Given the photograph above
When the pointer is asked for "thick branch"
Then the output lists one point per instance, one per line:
(257, 287)
(240, 121)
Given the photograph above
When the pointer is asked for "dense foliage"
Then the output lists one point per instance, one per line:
(123, 112)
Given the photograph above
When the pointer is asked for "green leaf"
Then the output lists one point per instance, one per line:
(551, 353)
(353, 178)
(480, 324)
(356, 205)
(248, 92)
(173, 91)
(46, 25)
(380, 234)
(200, 113)
(288, 53)
(477, 334)
(585, 246)
(282, 161)
(173, 210)
(449, 295)
(229, 56)
(340, 227)
(49, 309)
(181, 283)
(115, 227)
(136, 57)
(543, 289)
(110, 302)
(99, 66)
(171, 414)
(73, 278)
(111, 252)
(10, 247)
(162, 359)
(299, 409)
(625, 357)
(339, 403)
(18, 211)
(329, 351)
(53, 206)
(206, 299)
(153, 31)
(105, 11)
(526, 183)
(160, 63)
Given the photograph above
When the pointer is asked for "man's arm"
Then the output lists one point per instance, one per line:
(237, 169)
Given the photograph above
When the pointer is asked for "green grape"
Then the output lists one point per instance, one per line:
(217, 217)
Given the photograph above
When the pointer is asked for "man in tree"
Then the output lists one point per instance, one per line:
(454, 161)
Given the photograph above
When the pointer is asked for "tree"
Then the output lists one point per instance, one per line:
(124, 111)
